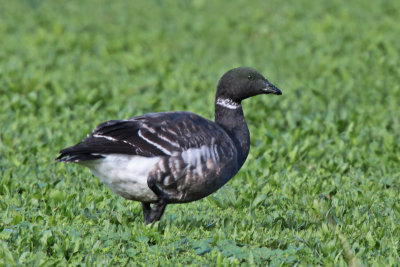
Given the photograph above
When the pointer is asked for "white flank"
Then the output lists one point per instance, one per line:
(125, 175)
(198, 157)
(154, 143)
(228, 103)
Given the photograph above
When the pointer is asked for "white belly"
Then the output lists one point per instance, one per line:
(125, 175)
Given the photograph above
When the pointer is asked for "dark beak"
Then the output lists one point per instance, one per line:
(271, 89)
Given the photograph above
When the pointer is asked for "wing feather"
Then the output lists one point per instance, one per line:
(154, 134)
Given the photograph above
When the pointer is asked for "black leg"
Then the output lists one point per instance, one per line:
(157, 211)
(146, 211)
(151, 182)
(152, 214)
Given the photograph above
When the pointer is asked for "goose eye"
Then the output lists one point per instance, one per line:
(250, 77)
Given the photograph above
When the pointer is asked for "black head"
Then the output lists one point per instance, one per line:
(243, 82)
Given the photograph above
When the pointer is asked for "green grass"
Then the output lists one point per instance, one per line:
(321, 184)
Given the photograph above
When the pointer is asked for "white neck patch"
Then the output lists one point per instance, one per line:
(228, 103)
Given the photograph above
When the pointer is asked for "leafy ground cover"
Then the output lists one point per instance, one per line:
(321, 184)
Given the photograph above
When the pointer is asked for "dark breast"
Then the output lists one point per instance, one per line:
(196, 172)
(205, 159)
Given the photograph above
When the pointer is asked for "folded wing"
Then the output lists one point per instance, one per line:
(150, 135)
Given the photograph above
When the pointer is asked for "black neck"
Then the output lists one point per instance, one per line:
(232, 120)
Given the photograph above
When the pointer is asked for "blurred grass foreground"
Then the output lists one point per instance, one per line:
(321, 184)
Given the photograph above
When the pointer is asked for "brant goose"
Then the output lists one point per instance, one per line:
(173, 157)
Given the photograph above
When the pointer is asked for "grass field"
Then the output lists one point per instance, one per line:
(321, 184)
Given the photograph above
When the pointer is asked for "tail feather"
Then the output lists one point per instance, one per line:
(76, 154)
(77, 157)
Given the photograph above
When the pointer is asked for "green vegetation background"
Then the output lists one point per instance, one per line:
(321, 184)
